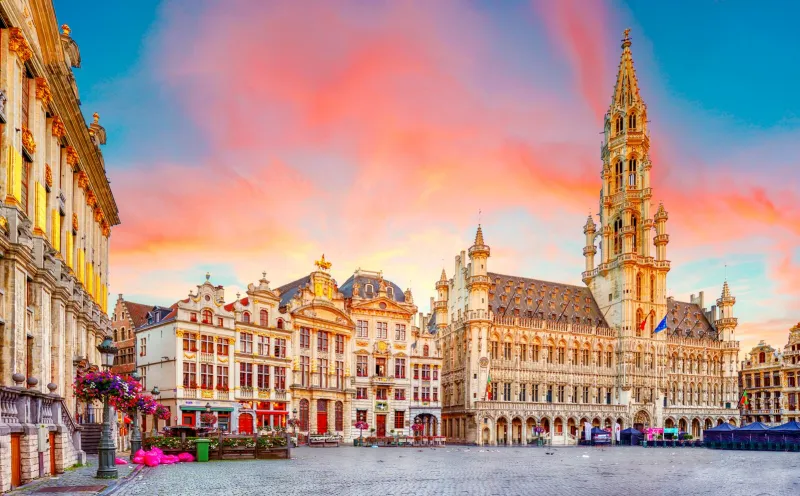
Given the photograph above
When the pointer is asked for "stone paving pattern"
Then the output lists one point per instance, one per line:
(81, 476)
(482, 471)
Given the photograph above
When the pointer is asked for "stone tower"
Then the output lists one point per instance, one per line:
(629, 283)
(726, 329)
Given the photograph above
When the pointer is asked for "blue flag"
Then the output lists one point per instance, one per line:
(661, 325)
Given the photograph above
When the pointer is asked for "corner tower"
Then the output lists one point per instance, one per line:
(629, 282)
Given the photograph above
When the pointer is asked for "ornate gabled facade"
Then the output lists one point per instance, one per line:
(426, 364)
(56, 216)
(771, 379)
(125, 318)
(522, 353)
(383, 316)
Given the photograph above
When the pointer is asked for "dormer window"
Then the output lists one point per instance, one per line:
(246, 317)
(208, 317)
(193, 317)
(390, 292)
(280, 323)
(369, 290)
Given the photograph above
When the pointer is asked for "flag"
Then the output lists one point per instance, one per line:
(744, 401)
(661, 325)
(642, 323)
(489, 386)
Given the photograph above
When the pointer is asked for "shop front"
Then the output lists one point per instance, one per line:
(190, 412)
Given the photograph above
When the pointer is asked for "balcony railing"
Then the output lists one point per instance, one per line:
(245, 392)
(379, 379)
(550, 407)
(207, 357)
(189, 393)
(223, 395)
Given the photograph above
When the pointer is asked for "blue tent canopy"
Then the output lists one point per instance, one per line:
(597, 430)
(791, 426)
(723, 427)
(755, 426)
(631, 430)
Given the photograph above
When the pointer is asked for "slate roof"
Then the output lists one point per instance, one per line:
(695, 324)
(347, 288)
(534, 298)
(287, 291)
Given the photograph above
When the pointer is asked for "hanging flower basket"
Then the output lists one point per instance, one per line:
(208, 418)
(121, 392)
(145, 404)
(162, 412)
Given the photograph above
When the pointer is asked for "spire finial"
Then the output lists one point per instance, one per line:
(96, 118)
(479, 237)
(65, 29)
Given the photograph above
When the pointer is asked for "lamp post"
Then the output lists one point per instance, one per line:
(107, 468)
(155, 392)
(208, 409)
(136, 433)
(294, 424)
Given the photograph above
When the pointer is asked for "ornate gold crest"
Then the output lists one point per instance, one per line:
(48, 175)
(43, 91)
(58, 128)
(27, 140)
(72, 153)
(19, 45)
(323, 264)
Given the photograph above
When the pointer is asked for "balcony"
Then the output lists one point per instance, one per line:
(279, 394)
(190, 392)
(223, 395)
(245, 392)
(577, 408)
(379, 379)
(206, 357)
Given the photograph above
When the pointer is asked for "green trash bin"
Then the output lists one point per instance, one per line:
(202, 449)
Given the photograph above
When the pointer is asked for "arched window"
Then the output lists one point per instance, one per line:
(632, 172)
(632, 121)
(618, 170)
(639, 318)
(639, 287)
(761, 357)
(280, 323)
(652, 287)
(263, 318)
(369, 290)
(617, 236)
(390, 292)
(246, 317)
(304, 415)
(637, 357)
(425, 350)
(208, 317)
(619, 125)
(339, 419)
(635, 247)
(116, 336)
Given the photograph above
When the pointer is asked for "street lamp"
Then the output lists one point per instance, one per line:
(294, 422)
(107, 468)
(136, 433)
(155, 392)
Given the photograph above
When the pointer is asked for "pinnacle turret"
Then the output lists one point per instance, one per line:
(479, 236)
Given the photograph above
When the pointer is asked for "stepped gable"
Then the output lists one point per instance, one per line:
(694, 325)
(137, 312)
(523, 297)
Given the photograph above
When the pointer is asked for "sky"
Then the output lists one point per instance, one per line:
(250, 136)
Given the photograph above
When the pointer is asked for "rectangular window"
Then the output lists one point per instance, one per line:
(193, 317)
(280, 347)
(361, 366)
(206, 376)
(382, 394)
(535, 353)
(361, 415)
(142, 346)
(189, 375)
(550, 354)
(586, 395)
(322, 341)
(561, 394)
(305, 370)
(246, 342)
(400, 368)
(361, 393)
(416, 371)
(399, 394)
(575, 394)
(222, 346)
(523, 390)
(585, 357)
(362, 329)
(339, 344)
(507, 351)
(494, 353)
(523, 352)
(246, 375)
(207, 344)
(435, 372)
(608, 359)
(222, 377)
(339, 375)
(535, 392)
(426, 372)
(416, 394)
(263, 376)
(426, 393)
(322, 365)
(220, 322)
(561, 355)
(435, 394)
(305, 337)
(399, 419)
(400, 332)
(507, 391)
(263, 345)
(382, 328)
(280, 378)
(189, 342)
(380, 366)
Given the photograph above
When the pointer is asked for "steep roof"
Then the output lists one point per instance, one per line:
(543, 299)
(691, 319)
(137, 312)
(287, 291)
(347, 288)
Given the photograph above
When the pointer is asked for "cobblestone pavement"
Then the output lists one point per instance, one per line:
(79, 476)
(472, 470)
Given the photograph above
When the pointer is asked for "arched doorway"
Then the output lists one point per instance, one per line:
(696, 427)
(572, 428)
(516, 431)
(595, 422)
(709, 423)
(486, 436)
(621, 423)
(608, 424)
(669, 423)
(682, 425)
(720, 421)
(640, 420)
(502, 431)
(530, 428)
(245, 423)
(304, 420)
(546, 425)
(732, 421)
(558, 425)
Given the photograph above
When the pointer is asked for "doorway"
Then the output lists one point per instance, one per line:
(245, 423)
(322, 416)
(52, 453)
(381, 421)
(16, 460)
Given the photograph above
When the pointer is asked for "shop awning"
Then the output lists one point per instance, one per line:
(192, 408)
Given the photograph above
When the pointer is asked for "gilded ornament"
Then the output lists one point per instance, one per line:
(27, 140)
(179, 333)
(399, 346)
(98, 215)
(19, 45)
(231, 340)
(65, 30)
(72, 153)
(43, 91)
(91, 200)
(207, 393)
(75, 222)
(362, 343)
(4, 224)
(190, 356)
(322, 264)
(106, 229)
(48, 175)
